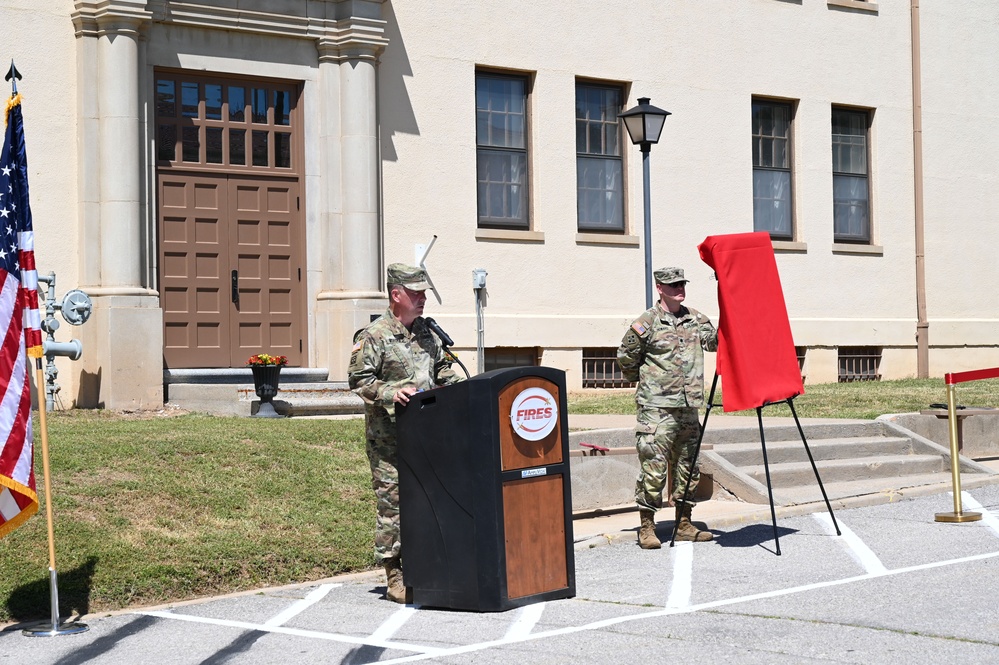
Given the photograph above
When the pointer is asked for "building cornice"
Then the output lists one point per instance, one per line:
(341, 29)
(93, 18)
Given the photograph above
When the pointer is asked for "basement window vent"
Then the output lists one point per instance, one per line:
(600, 369)
(502, 357)
(859, 363)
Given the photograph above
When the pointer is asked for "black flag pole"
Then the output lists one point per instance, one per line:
(13, 76)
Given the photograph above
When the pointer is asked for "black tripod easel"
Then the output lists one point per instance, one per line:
(766, 466)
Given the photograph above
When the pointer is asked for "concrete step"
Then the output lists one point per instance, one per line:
(714, 434)
(810, 493)
(779, 452)
(301, 392)
(792, 474)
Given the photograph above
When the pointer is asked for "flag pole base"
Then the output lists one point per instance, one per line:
(958, 517)
(46, 629)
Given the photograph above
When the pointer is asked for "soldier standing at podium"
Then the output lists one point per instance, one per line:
(395, 357)
(662, 350)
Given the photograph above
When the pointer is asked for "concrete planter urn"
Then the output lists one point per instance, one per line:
(266, 371)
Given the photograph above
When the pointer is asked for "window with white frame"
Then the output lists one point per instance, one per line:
(772, 203)
(599, 168)
(851, 181)
(501, 150)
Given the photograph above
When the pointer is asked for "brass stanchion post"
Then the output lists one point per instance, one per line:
(955, 463)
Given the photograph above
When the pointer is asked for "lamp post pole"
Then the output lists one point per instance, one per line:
(644, 124)
(646, 149)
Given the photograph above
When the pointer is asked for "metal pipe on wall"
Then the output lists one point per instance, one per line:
(922, 324)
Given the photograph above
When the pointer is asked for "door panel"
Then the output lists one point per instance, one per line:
(265, 251)
(230, 278)
(193, 213)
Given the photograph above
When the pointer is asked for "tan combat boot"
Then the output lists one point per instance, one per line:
(395, 589)
(686, 530)
(647, 534)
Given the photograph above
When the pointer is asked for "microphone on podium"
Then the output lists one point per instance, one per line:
(433, 325)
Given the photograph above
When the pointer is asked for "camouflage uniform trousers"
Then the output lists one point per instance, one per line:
(383, 457)
(666, 439)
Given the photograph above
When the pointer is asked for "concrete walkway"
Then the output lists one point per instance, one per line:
(617, 523)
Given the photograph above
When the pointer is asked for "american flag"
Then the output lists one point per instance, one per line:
(20, 323)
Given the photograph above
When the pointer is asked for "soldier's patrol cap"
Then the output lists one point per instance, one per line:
(670, 276)
(414, 279)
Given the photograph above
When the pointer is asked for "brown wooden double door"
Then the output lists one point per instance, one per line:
(231, 269)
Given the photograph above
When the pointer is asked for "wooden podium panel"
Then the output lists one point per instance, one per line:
(484, 492)
(517, 452)
(534, 524)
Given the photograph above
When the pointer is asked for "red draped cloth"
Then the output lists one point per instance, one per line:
(756, 356)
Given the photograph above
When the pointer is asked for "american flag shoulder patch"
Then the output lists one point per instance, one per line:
(357, 346)
(638, 327)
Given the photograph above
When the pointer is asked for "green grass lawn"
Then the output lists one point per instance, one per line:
(154, 509)
(151, 509)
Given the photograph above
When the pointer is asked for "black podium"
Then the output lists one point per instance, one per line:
(485, 501)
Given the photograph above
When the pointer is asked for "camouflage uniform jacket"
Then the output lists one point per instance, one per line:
(387, 357)
(663, 352)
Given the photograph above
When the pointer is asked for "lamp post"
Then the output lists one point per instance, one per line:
(644, 124)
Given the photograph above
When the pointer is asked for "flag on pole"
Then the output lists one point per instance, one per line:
(19, 326)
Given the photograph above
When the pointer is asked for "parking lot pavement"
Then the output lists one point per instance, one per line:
(895, 587)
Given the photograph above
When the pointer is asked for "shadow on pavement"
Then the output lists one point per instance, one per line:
(752, 535)
(31, 601)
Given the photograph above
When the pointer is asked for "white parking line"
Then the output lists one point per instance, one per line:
(856, 547)
(393, 623)
(298, 632)
(527, 617)
(297, 608)
(683, 573)
(987, 517)
(606, 623)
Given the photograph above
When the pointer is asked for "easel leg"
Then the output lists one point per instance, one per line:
(825, 498)
(766, 469)
(697, 452)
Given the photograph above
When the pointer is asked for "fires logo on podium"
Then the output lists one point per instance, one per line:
(534, 414)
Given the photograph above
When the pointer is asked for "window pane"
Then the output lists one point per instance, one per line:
(213, 145)
(282, 150)
(849, 141)
(213, 101)
(192, 145)
(596, 109)
(501, 105)
(502, 187)
(772, 202)
(282, 112)
(166, 143)
(166, 98)
(237, 104)
(851, 220)
(260, 149)
(599, 200)
(189, 99)
(258, 99)
(237, 146)
(771, 134)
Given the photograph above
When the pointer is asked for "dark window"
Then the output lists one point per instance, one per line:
(599, 169)
(851, 190)
(508, 356)
(220, 123)
(772, 169)
(501, 150)
(600, 369)
(859, 363)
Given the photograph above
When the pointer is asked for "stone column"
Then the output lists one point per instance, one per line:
(352, 257)
(122, 365)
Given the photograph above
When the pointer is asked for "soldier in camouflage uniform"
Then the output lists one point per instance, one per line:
(662, 350)
(392, 359)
